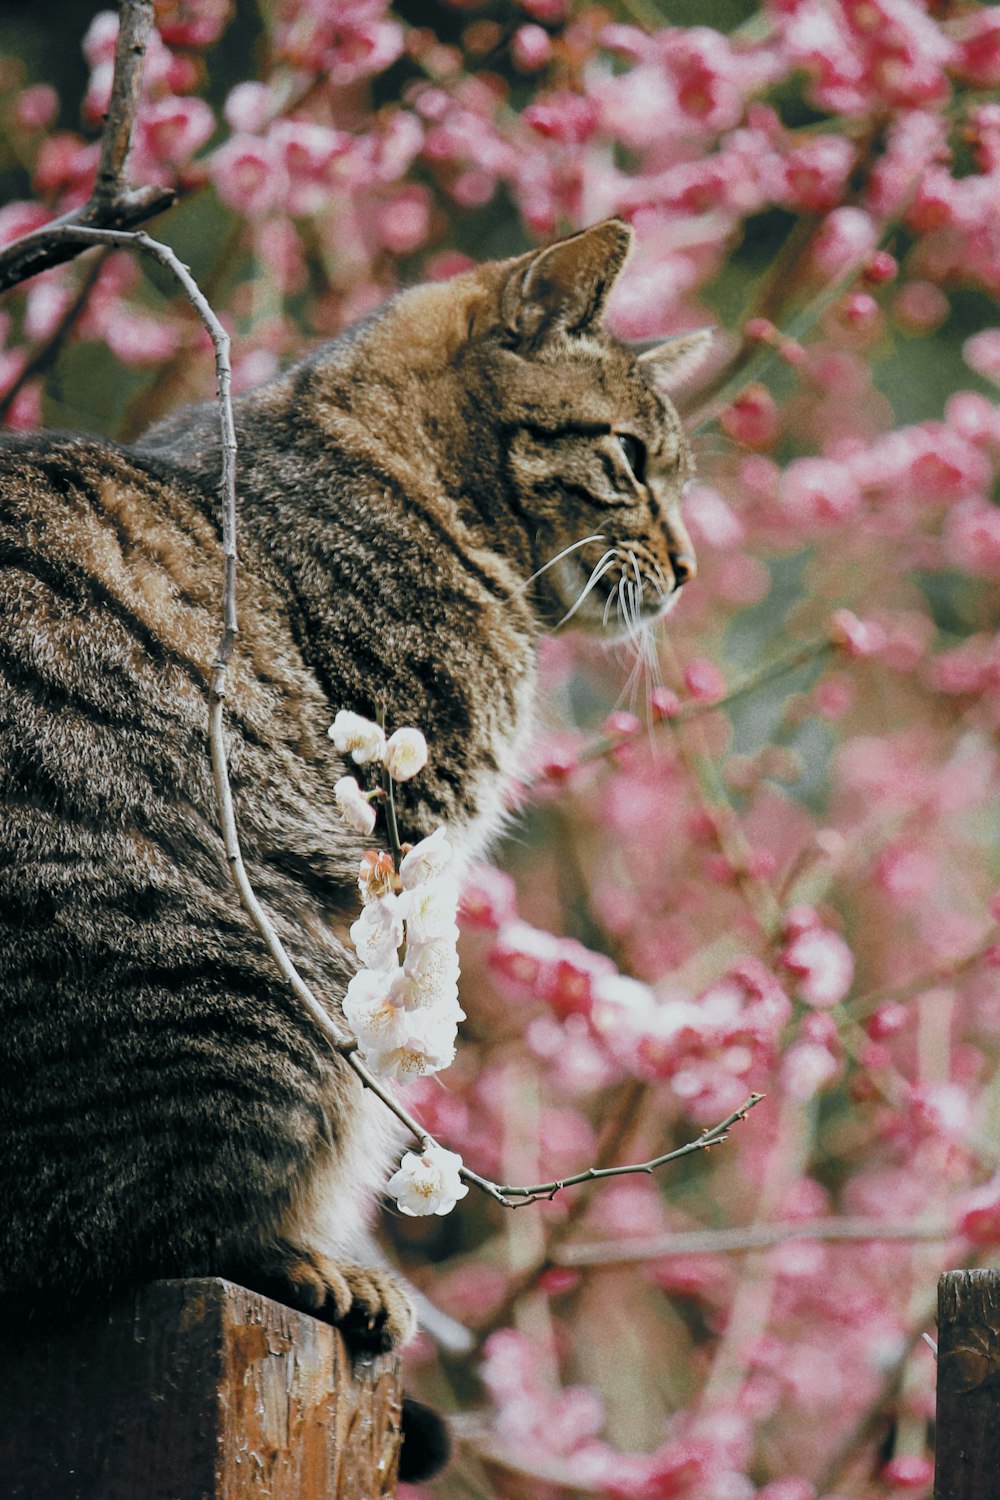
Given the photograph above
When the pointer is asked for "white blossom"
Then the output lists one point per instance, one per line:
(370, 1012)
(419, 1042)
(353, 806)
(378, 932)
(426, 860)
(376, 875)
(353, 733)
(428, 1183)
(430, 973)
(431, 911)
(405, 754)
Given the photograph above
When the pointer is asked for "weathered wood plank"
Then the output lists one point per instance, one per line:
(195, 1390)
(967, 1459)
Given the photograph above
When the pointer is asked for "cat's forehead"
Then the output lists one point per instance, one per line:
(597, 378)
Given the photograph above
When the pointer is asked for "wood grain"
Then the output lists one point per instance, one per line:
(968, 1386)
(195, 1390)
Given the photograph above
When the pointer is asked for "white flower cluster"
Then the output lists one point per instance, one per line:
(403, 754)
(403, 1004)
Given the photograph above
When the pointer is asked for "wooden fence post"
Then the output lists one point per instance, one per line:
(195, 1390)
(967, 1464)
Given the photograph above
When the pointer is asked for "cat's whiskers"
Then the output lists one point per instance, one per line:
(573, 546)
(604, 565)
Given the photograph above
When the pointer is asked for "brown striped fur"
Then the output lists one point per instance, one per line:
(165, 1107)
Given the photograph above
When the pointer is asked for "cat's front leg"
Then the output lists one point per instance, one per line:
(366, 1303)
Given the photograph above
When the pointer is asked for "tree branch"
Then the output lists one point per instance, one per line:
(739, 1240)
(112, 204)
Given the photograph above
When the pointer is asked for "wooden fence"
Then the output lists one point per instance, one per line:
(195, 1390)
(968, 1387)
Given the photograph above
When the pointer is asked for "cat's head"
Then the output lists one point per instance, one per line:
(559, 445)
(590, 444)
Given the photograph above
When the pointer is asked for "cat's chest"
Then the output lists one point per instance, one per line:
(493, 783)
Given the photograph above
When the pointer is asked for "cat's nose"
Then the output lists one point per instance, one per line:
(683, 566)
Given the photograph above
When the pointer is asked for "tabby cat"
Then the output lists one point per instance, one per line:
(166, 1107)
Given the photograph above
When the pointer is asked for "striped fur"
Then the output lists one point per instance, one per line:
(165, 1108)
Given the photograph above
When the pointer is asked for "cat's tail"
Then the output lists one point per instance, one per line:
(426, 1442)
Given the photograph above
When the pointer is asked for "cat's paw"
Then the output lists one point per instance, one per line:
(366, 1303)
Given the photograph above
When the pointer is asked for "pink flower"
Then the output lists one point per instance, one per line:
(817, 171)
(403, 223)
(910, 1471)
(172, 130)
(566, 117)
(249, 175)
(807, 1068)
(703, 680)
(193, 23)
(981, 353)
(972, 537)
(846, 239)
(823, 964)
(753, 418)
(19, 218)
(36, 107)
(819, 491)
(858, 638)
(531, 48)
(979, 1214)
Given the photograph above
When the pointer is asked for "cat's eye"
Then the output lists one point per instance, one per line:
(635, 454)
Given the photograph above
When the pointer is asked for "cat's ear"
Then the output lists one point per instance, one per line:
(673, 362)
(566, 285)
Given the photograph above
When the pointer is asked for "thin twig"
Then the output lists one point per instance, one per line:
(604, 746)
(548, 1190)
(738, 1241)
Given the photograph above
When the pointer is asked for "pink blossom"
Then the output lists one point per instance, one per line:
(909, 1471)
(823, 964)
(36, 107)
(172, 130)
(531, 48)
(972, 537)
(982, 353)
(752, 418)
(819, 491)
(18, 218)
(249, 107)
(703, 680)
(817, 171)
(807, 1068)
(979, 1214)
(141, 341)
(846, 240)
(193, 23)
(404, 221)
(249, 174)
(858, 638)
(567, 118)
(920, 306)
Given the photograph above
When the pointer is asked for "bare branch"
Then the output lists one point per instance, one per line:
(111, 205)
(603, 746)
(738, 1241)
(135, 22)
(506, 1192)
